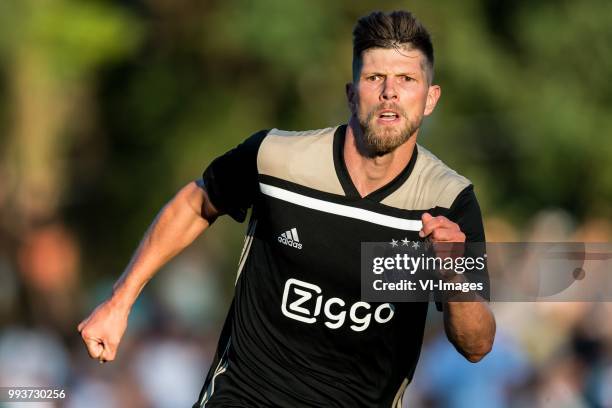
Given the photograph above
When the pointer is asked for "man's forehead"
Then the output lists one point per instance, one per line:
(404, 56)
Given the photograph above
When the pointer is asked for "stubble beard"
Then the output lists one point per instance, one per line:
(381, 140)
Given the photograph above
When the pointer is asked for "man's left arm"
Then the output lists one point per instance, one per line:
(469, 325)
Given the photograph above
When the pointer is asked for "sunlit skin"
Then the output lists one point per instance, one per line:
(388, 100)
(390, 97)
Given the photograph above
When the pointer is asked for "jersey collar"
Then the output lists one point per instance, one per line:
(347, 183)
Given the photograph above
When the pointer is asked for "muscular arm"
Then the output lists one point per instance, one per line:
(470, 327)
(176, 226)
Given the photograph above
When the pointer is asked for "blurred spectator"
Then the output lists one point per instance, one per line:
(171, 372)
(49, 264)
(8, 290)
(190, 291)
(93, 393)
(32, 357)
(445, 379)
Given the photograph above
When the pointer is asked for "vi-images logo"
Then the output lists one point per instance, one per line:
(290, 238)
(303, 301)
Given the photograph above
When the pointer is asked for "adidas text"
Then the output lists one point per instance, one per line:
(290, 238)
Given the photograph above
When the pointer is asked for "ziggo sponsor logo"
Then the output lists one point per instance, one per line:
(304, 310)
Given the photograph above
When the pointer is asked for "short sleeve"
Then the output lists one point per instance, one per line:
(465, 211)
(231, 179)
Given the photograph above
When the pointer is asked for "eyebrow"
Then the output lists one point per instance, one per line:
(380, 73)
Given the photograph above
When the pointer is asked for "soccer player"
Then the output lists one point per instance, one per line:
(297, 333)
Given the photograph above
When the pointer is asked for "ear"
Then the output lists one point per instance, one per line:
(433, 94)
(351, 96)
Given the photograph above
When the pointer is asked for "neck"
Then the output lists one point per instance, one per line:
(369, 172)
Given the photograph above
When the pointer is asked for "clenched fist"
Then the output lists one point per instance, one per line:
(442, 232)
(440, 229)
(103, 329)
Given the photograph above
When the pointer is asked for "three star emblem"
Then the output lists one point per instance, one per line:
(405, 242)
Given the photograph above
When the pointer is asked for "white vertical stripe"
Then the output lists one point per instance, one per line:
(339, 209)
(220, 369)
(399, 395)
(295, 235)
(248, 241)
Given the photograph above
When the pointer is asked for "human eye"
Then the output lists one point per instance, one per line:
(374, 77)
(407, 78)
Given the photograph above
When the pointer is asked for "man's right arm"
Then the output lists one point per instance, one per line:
(176, 226)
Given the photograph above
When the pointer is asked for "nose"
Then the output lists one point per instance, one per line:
(388, 91)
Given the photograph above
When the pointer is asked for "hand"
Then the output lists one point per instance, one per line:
(440, 229)
(102, 331)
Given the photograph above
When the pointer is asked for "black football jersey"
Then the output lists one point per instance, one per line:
(297, 333)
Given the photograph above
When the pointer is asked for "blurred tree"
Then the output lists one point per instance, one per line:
(50, 49)
(165, 86)
(527, 96)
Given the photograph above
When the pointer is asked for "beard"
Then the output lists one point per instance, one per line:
(380, 139)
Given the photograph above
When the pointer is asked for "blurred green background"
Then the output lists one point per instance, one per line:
(109, 107)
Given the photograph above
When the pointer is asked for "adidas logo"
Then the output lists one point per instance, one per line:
(290, 238)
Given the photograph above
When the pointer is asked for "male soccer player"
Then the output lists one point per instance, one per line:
(297, 333)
